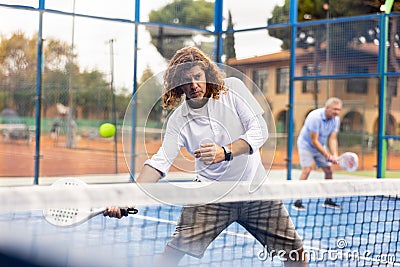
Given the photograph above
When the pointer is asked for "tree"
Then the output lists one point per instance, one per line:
(57, 55)
(122, 100)
(280, 14)
(149, 98)
(229, 43)
(318, 9)
(18, 56)
(55, 88)
(92, 94)
(17, 65)
(190, 13)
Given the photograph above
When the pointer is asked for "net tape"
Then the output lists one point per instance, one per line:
(364, 224)
(20, 198)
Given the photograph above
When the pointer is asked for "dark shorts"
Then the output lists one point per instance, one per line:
(267, 221)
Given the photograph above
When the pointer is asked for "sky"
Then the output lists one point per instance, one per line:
(91, 37)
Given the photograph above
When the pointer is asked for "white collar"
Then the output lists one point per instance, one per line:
(186, 108)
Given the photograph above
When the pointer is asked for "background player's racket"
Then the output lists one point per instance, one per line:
(348, 161)
(72, 216)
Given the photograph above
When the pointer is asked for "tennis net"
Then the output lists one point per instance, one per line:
(364, 231)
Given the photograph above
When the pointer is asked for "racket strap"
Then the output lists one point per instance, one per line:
(127, 211)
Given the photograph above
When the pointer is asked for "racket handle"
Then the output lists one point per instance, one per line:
(126, 211)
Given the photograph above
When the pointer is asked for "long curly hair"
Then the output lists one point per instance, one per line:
(183, 60)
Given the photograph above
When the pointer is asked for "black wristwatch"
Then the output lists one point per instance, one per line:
(228, 153)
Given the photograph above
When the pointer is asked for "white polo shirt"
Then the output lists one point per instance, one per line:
(236, 114)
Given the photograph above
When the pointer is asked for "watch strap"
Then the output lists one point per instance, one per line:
(228, 153)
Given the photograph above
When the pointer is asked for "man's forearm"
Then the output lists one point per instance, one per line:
(321, 149)
(148, 174)
(239, 147)
(333, 146)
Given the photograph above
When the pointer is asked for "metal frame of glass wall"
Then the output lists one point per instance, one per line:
(218, 32)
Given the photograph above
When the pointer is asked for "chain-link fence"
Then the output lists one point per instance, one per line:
(96, 55)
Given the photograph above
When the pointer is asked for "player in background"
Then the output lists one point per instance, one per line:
(320, 127)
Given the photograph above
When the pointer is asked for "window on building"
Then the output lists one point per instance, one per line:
(282, 80)
(310, 85)
(260, 78)
(281, 123)
(357, 85)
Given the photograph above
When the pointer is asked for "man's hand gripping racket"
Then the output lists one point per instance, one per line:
(65, 217)
(348, 161)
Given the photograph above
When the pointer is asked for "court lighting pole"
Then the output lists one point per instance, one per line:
(70, 121)
(133, 98)
(114, 116)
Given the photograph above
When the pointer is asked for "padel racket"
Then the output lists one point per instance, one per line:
(72, 216)
(348, 161)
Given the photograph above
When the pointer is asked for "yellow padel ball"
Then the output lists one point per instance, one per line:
(107, 130)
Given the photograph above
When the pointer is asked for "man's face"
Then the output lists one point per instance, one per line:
(332, 111)
(195, 83)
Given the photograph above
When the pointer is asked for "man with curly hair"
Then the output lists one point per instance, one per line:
(221, 124)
